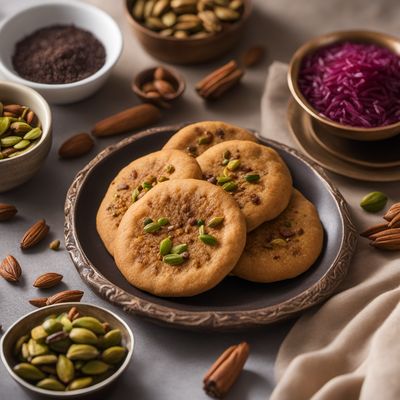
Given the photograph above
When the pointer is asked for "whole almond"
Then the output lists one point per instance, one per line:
(128, 120)
(76, 146)
(65, 296)
(47, 280)
(38, 301)
(7, 211)
(34, 234)
(163, 74)
(164, 88)
(10, 269)
(253, 56)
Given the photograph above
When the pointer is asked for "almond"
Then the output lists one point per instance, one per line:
(38, 301)
(34, 234)
(10, 269)
(128, 120)
(47, 280)
(76, 146)
(7, 211)
(65, 296)
(73, 313)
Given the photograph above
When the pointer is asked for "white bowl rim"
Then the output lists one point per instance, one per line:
(71, 393)
(18, 87)
(109, 63)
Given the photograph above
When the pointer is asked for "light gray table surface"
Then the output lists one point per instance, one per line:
(168, 364)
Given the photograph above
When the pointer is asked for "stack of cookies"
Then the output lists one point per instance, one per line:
(213, 202)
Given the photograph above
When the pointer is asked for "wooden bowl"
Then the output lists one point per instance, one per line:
(191, 50)
(330, 126)
(147, 75)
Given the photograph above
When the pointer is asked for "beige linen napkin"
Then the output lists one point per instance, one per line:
(348, 348)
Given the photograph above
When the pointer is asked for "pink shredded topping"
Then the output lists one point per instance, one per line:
(353, 83)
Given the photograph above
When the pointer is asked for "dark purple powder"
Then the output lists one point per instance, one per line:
(58, 54)
(354, 84)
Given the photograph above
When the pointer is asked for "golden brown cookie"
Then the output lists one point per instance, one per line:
(285, 247)
(133, 182)
(181, 239)
(196, 138)
(254, 174)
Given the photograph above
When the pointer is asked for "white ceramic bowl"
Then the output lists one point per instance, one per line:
(22, 326)
(17, 170)
(64, 12)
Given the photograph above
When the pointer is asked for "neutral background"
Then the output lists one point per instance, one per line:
(168, 364)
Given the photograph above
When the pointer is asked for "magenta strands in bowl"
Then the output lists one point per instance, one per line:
(355, 84)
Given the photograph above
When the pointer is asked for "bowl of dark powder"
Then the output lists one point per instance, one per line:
(63, 49)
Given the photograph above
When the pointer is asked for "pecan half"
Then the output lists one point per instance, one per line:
(65, 296)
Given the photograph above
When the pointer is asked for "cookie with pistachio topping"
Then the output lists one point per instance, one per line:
(134, 181)
(284, 247)
(181, 239)
(255, 176)
(196, 138)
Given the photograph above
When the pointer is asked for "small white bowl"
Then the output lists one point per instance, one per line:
(17, 170)
(24, 324)
(61, 12)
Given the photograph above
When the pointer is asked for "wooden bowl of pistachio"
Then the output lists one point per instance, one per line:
(187, 31)
(67, 350)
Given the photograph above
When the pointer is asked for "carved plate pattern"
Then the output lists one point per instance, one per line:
(217, 320)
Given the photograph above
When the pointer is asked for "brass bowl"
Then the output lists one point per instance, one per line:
(24, 324)
(190, 50)
(330, 126)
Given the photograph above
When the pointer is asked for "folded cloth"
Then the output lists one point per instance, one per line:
(348, 348)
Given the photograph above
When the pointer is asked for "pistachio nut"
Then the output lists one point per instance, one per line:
(229, 186)
(83, 336)
(114, 354)
(95, 367)
(45, 359)
(208, 239)
(111, 338)
(28, 372)
(61, 346)
(163, 221)
(51, 384)
(82, 352)
(165, 246)
(252, 178)
(67, 324)
(33, 134)
(374, 202)
(152, 227)
(89, 323)
(226, 14)
(4, 124)
(52, 325)
(10, 141)
(48, 369)
(80, 383)
(65, 369)
(37, 349)
(19, 343)
(20, 126)
(24, 352)
(216, 221)
(173, 259)
(179, 248)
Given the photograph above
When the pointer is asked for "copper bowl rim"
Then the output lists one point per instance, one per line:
(247, 8)
(388, 41)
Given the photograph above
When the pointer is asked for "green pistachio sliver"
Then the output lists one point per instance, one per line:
(216, 221)
(162, 178)
(33, 134)
(200, 222)
(204, 140)
(135, 194)
(233, 165)
(4, 124)
(252, 178)
(208, 239)
(170, 168)
(10, 141)
(152, 227)
(163, 221)
(147, 185)
(147, 221)
(173, 259)
(278, 242)
(179, 248)
(229, 186)
(225, 162)
(223, 179)
(22, 144)
(165, 246)
(202, 230)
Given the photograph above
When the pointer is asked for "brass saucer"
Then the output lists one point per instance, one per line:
(332, 154)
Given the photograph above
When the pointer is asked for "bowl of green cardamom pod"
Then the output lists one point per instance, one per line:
(25, 134)
(67, 350)
(187, 31)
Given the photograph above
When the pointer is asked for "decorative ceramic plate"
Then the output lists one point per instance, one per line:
(234, 303)
(367, 161)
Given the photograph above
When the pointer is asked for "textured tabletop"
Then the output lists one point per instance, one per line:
(168, 364)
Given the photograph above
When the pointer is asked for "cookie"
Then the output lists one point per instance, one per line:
(133, 182)
(181, 239)
(196, 138)
(285, 247)
(254, 174)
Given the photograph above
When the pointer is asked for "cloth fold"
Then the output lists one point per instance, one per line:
(349, 347)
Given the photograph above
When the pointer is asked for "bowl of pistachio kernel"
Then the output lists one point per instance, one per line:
(187, 31)
(25, 134)
(67, 350)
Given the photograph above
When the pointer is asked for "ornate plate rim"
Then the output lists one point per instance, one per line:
(216, 320)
